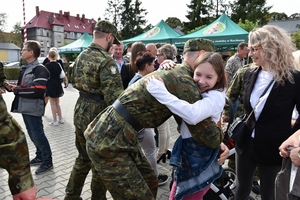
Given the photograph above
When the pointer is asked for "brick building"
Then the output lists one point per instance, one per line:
(56, 29)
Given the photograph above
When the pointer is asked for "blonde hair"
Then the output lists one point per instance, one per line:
(53, 54)
(277, 48)
(296, 55)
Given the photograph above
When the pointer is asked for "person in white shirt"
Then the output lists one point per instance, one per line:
(209, 77)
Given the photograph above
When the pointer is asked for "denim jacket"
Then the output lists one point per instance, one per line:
(196, 166)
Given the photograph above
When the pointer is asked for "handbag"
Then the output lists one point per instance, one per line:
(62, 73)
(237, 129)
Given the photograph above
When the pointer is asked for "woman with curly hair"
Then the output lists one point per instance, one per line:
(272, 89)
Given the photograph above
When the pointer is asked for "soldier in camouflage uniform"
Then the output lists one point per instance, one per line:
(14, 156)
(99, 83)
(235, 92)
(112, 142)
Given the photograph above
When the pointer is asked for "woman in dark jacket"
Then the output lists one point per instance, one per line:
(273, 70)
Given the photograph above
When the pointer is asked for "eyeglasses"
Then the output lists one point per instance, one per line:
(159, 54)
(26, 50)
(254, 49)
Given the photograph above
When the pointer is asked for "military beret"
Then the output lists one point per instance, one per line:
(107, 27)
(198, 44)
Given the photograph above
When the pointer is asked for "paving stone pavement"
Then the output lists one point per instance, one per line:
(62, 141)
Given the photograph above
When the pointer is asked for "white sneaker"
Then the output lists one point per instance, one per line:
(53, 123)
(61, 121)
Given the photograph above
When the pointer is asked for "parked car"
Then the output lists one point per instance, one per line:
(13, 64)
(5, 62)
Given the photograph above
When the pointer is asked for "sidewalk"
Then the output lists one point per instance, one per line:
(62, 140)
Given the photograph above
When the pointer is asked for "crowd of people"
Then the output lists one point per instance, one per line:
(121, 117)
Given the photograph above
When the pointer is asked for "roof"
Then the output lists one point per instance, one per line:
(9, 46)
(78, 45)
(45, 19)
(160, 33)
(223, 32)
(290, 26)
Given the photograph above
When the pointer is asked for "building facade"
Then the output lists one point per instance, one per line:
(57, 29)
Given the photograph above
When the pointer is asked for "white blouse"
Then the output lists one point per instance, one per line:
(211, 105)
(262, 82)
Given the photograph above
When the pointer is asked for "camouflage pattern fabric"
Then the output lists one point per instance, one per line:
(112, 143)
(14, 156)
(236, 91)
(94, 72)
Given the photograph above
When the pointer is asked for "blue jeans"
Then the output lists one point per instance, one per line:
(35, 129)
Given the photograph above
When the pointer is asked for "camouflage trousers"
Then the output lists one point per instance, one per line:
(14, 156)
(113, 148)
(85, 111)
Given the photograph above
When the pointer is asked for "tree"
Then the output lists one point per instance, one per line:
(198, 14)
(295, 16)
(132, 19)
(252, 10)
(278, 16)
(3, 17)
(174, 22)
(296, 38)
(17, 28)
(218, 7)
(248, 25)
(113, 12)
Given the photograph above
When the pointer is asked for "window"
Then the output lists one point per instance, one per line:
(66, 35)
(58, 39)
(42, 43)
(48, 44)
(72, 35)
(78, 35)
(41, 31)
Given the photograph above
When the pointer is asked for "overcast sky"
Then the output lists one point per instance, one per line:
(157, 9)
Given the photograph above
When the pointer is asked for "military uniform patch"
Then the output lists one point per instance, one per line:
(113, 69)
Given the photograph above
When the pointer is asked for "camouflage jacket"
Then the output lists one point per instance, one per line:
(14, 155)
(3, 108)
(149, 113)
(96, 72)
(236, 91)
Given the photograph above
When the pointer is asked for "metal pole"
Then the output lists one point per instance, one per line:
(24, 19)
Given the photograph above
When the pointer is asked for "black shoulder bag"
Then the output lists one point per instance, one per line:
(237, 129)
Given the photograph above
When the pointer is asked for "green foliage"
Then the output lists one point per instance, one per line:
(197, 14)
(12, 73)
(3, 18)
(174, 22)
(278, 16)
(17, 28)
(132, 19)
(296, 38)
(295, 16)
(248, 25)
(196, 29)
(113, 12)
(252, 10)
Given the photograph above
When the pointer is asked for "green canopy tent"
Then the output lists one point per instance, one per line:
(77, 46)
(161, 33)
(223, 32)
